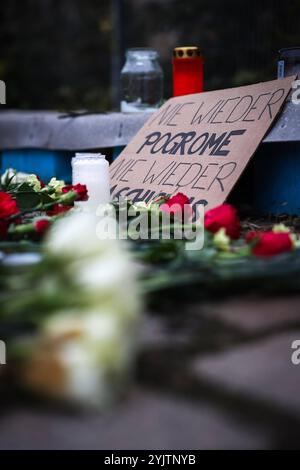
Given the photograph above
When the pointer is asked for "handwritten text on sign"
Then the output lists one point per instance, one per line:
(198, 144)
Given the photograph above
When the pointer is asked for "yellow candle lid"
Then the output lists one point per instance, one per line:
(186, 52)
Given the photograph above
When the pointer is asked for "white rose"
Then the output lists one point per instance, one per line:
(17, 177)
(75, 236)
(81, 355)
(86, 354)
(57, 185)
(33, 181)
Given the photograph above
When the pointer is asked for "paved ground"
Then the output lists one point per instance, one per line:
(211, 375)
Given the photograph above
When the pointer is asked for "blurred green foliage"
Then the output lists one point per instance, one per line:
(58, 54)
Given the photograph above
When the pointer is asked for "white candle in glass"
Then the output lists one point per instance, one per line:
(92, 169)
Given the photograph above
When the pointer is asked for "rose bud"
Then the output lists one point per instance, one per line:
(41, 226)
(224, 216)
(79, 189)
(8, 205)
(57, 209)
(269, 243)
(178, 205)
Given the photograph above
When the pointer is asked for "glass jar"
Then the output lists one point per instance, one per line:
(142, 81)
(92, 169)
(289, 62)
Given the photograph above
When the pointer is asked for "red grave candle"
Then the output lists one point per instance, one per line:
(187, 70)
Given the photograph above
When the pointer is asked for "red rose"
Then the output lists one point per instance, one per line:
(3, 229)
(8, 206)
(57, 209)
(269, 243)
(224, 216)
(80, 189)
(178, 205)
(250, 236)
(41, 226)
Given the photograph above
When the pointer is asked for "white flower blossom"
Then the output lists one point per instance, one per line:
(141, 206)
(17, 177)
(280, 228)
(75, 237)
(57, 185)
(221, 240)
(33, 181)
(87, 355)
(87, 352)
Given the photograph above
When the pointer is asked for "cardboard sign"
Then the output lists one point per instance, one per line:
(198, 144)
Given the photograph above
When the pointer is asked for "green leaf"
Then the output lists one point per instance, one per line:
(25, 187)
(46, 199)
(27, 199)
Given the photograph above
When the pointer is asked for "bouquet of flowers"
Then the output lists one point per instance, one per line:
(69, 305)
(28, 207)
(69, 308)
(69, 318)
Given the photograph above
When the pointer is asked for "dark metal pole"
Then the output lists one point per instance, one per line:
(116, 51)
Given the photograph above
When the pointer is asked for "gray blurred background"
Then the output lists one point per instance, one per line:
(67, 54)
